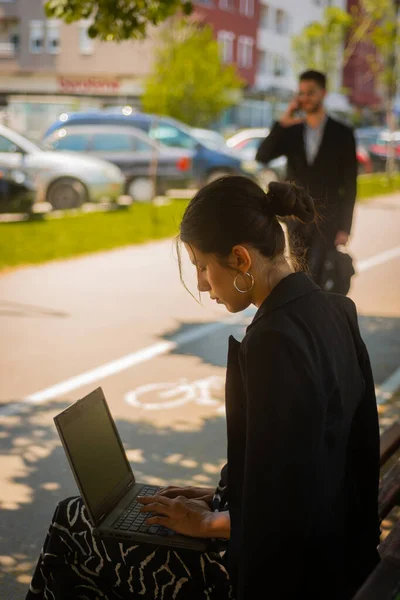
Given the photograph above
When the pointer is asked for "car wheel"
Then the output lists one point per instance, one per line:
(66, 193)
(217, 175)
(141, 189)
(266, 176)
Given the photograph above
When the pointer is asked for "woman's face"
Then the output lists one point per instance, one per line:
(218, 280)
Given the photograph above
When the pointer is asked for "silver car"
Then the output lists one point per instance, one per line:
(245, 144)
(62, 179)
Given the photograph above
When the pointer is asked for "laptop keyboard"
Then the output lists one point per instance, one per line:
(131, 519)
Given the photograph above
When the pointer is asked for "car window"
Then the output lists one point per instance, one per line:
(7, 145)
(140, 145)
(172, 136)
(251, 144)
(112, 142)
(75, 142)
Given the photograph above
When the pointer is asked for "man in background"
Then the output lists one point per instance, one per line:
(321, 154)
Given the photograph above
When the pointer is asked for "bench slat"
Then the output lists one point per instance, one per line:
(389, 442)
(389, 490)
(384, 581)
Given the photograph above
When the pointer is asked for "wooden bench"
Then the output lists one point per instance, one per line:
(390, 442)
(384, 581)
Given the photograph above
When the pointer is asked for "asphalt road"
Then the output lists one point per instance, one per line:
(122, 320)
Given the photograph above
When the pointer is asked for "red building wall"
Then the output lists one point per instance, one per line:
(231, 19)
(357, 77)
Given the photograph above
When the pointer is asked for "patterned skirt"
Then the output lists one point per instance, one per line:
(75, 565)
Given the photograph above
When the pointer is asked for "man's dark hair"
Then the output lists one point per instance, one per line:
(317, 76)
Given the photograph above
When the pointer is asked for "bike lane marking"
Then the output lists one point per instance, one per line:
(179, 393)
(122, 364)
(378, 259)
(161, 348)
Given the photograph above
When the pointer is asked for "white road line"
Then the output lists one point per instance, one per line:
(121, 364)
(378, 259)
(384, 391)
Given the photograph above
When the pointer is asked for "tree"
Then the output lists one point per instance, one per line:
(189, 81)
(319, 45)
(117, 20)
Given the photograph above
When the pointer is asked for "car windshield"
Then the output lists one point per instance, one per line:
(41, 145)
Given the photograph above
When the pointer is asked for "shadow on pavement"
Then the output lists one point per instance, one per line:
(19, 309)
(213, 347)
(381, 335)
(37, 475)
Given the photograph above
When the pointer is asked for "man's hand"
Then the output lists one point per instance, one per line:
(288, 119)
(342, 237)
(198, 493)
(183, 515)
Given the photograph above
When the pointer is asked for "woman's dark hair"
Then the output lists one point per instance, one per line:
(235, 210)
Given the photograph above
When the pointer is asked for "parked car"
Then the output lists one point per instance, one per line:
(364, 160)
(62, 178)
(134, 153)
(377, 141)
(208, 163)
(210, 138)
(246, 143)
(17, 190)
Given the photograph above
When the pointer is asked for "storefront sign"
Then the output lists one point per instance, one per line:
(88, 85)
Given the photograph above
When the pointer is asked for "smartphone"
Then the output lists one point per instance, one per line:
(297, 112)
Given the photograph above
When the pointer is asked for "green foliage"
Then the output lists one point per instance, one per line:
(117, 20)
(189, 81)
(41, 241)
(318, 46)
(377, 184)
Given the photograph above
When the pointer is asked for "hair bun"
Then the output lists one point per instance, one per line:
(290, 200)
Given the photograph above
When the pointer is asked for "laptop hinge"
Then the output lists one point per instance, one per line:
(130, 484)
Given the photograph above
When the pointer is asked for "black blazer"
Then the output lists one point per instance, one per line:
(303, 449)
(331, 179)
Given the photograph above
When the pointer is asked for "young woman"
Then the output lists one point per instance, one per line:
(298, 497)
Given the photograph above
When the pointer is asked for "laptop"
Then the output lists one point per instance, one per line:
(105, 478)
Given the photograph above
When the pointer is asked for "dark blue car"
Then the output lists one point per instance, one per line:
(208, 163)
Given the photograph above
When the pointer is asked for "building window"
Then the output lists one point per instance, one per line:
(225, 40)
(264, 63)
(247, 8)
(280, 64)
(36, 37)
(86, 45)
(281, 22)
(53, 36)
(245, 52)
(227, 4)
(264, 17)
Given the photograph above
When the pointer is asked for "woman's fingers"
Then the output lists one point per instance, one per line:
(149, 499)
(158, 520)
(170, 492)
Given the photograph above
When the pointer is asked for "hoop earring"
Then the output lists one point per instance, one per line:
(238, 288)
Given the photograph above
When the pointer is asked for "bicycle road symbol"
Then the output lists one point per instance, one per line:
(209, 391)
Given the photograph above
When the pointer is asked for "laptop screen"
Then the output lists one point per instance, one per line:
(94, 450)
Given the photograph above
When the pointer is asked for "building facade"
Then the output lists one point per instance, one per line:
(47, 67)
(235, 26)
(280, 20)
(360, 82)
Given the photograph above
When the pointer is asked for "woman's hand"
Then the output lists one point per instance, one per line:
(205, 494)
(183, 515)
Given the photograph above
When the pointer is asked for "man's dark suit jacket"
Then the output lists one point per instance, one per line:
(303, 449)
(331, 179)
